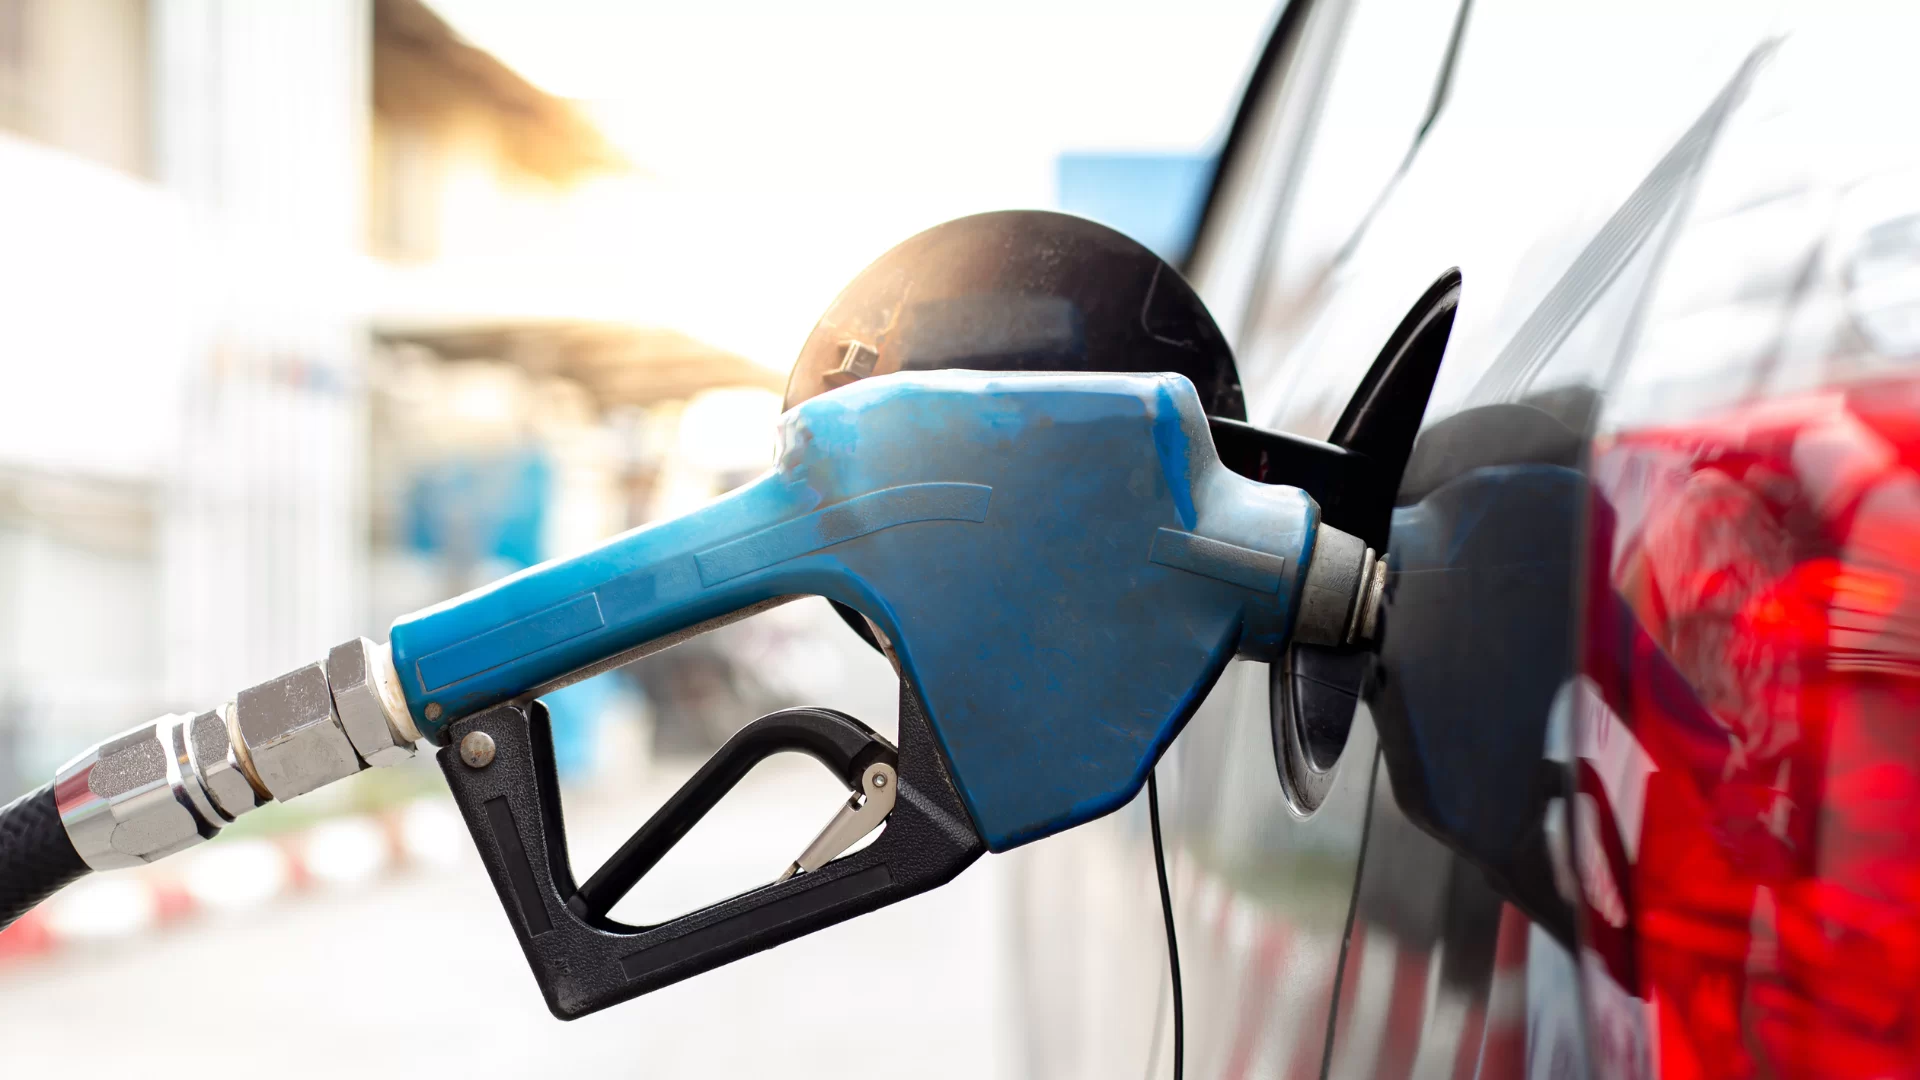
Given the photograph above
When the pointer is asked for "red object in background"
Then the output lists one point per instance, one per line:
(1748, 807)
(28, 936)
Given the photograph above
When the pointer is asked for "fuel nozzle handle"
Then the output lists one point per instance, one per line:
(1059, 566)
(1059, 563)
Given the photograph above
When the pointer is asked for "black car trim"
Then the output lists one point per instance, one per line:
(1279, 43)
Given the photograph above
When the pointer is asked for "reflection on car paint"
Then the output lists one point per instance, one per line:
(1267, 970)
(1440, 977)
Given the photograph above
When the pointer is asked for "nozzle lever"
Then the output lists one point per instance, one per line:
(865, 812)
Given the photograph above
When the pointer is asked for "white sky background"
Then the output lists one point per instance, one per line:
(790, 144)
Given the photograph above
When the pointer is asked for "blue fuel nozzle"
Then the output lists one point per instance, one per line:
(1060, 563)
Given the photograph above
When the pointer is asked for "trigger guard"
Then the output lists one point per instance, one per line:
(582, 964)
(844, 745)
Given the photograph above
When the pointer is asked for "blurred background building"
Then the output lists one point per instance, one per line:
(294, 347)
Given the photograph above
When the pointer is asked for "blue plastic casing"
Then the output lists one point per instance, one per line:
(1060, 562)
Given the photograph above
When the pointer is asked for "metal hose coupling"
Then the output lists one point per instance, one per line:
(172, 782)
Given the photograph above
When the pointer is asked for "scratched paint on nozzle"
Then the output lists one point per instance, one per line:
(1001, 529)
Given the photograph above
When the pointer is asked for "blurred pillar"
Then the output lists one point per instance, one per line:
(261, 120)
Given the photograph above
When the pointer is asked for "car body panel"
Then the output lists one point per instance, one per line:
(1552, 160)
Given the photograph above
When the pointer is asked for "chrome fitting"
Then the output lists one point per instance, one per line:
(1366, 609)
(289, 735)
(367, 698)
(217, 762)
(141, 795)
(173, 782)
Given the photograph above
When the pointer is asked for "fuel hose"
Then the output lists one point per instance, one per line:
(36, 858)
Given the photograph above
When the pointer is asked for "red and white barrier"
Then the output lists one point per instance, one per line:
(241, 873)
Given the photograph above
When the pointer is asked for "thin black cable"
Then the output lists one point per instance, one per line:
(1173, 943)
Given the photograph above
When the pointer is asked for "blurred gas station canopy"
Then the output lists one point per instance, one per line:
(618, 364)
(501, 229)
(424, 71)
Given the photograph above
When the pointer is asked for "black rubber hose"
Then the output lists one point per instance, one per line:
(36, 858)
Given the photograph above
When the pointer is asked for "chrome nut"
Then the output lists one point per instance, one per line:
(291, 735)
(134, 798)
(218, 764)
(366, 697)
